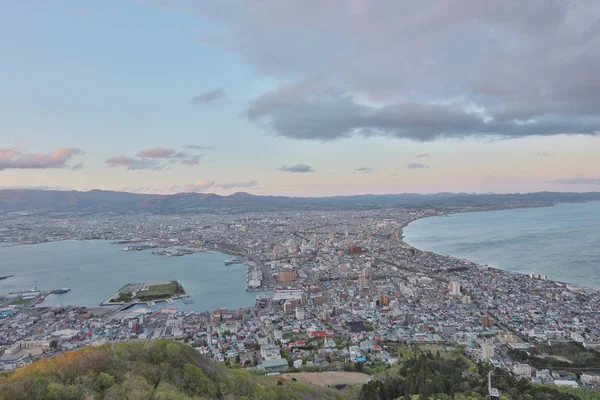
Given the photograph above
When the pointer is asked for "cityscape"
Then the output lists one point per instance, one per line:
(333, 289)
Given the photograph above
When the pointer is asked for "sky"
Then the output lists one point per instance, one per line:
(300, 97)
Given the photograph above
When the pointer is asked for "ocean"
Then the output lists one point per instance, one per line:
(562, 242)
(97, 269)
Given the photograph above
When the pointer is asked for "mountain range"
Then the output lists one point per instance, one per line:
(100, 201)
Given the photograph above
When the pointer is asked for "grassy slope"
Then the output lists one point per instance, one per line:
(158, 370)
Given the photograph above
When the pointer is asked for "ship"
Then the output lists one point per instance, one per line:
(61, 290)
(234, 261)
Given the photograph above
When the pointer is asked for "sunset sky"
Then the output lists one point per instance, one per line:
(300, 97)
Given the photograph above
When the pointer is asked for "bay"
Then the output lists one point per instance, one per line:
(562, 242)
(95, 270)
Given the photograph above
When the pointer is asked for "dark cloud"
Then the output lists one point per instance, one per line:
(417, 166)
(543, 153)
(298, 168)
(578, 181)
(232, 185)
(11, 158)
(364, 169)
(422, 155)
(209, 97)
(503, 68)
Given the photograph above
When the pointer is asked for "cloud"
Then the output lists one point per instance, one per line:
(578, 181)
(232, 185)
(422, 155)
(77, 167)
(209, 97)
(417, 166)
(155, 158)
(197, 147)
(134, 163)
(11, 158)
(364, 169)
(157, 152)
(503, 69)
(543, 153)
(26, 187)
(298, 168)
(199, 186)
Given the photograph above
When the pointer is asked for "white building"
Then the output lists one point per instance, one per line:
(522, 369)
(454, 288)
(299, 314)
(270, 352)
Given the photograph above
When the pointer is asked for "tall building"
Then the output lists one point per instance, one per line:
(384, 300)
(362, 280)
(287, 307)
(299, 314)
(487, 322)
(454, 288)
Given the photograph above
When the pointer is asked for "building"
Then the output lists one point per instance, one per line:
(522, 370)
(466, 299)
(270, 352)
(318, 299)
(592, 378)
(487, 321)
(218, 314)
(286, 275)
(287, 307)
(362, 280)
(279, 365)
(487, 349)
(354, 249)
(571, 384)
(37, 345)
(384, 301)
(299, 314)
(454, 288)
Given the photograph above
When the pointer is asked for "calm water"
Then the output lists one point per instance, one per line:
(95, 270)
(562, 242)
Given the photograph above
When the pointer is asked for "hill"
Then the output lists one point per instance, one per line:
(158, 370)
(103, 202)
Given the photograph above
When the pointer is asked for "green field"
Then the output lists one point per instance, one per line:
(155, 292)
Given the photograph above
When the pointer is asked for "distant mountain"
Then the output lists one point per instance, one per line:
(102, 202)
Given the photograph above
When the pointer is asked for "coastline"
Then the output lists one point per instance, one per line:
(404, 243)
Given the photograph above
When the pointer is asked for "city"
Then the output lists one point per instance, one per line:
(334, 289)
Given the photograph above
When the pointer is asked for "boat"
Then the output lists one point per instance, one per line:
(234, 261)
(61, 290)
(188, 300)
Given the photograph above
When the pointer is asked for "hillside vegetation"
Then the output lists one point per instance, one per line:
(159, 370)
